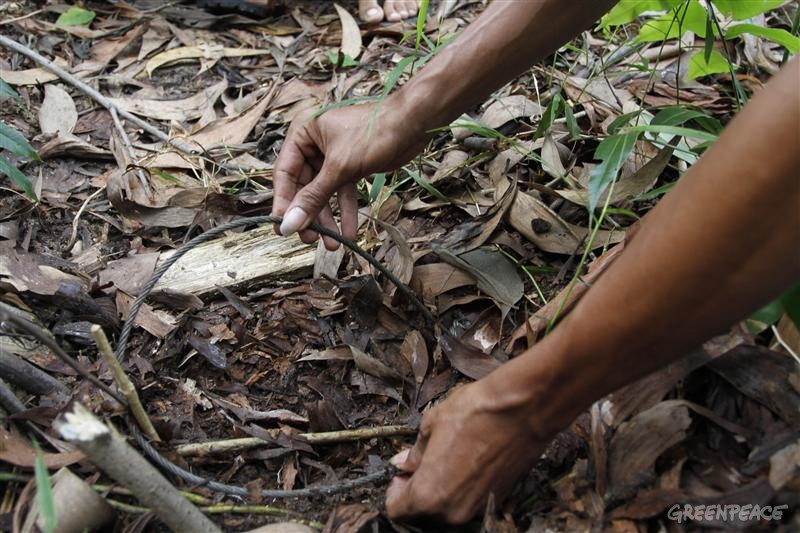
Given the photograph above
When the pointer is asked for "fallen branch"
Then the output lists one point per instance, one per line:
(47, 339)
(124, 383)
(111, 453)
(92, 93)
(329, 437)
(29, 377)
(9, 400)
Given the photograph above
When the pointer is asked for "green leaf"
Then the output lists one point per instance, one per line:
(685, 17)
(572, 124)
(7, 91)
(791, 304)
(12, 140)
(745, 9)
(675, 116)
(75, 16)
(549, 115)
(710, 21)
(19, 179)
(622, 120)
(776, 35)
(44, 492)
(626, 11)
(421, 16)
(698, 66)
(377, 185)
(337, 58)
(612, 151)
(673, 130)
(765, 317)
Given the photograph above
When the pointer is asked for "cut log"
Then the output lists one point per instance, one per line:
(238, 260)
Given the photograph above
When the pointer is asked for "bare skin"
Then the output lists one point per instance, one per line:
(393, 10)
(722, 243)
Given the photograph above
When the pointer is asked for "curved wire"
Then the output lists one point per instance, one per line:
(236, 490)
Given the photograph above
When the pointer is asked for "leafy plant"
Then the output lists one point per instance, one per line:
(674, 17)
(13, 141)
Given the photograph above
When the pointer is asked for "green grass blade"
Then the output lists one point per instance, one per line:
(612, 151)
(673, 130)
(421, 16)
(675, 116)
(343, 103)
(19, 179)
(44, 492)
(12, 140)
(422, 182)
(549, 115)
(377, 185)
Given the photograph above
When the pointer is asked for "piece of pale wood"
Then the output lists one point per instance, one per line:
(238, 260)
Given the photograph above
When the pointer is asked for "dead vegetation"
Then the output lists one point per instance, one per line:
(272, 365)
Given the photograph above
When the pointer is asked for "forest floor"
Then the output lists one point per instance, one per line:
(255, 336)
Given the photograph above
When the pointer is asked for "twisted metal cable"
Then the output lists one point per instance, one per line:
(236, 490)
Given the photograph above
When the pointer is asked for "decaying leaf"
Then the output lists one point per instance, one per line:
(190, 108)
(373, 366)
(57, 113)
(495, 274)
(467, 359)
(415, 351)
(639, 442)
(473, 233)
(72, 146)
(351, 35)
(543, 227)
(508, 108)
(204, 51)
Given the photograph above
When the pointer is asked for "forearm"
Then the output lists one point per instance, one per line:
(505, 40)
(721, 244)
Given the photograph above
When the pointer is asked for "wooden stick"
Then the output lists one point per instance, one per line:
(92, 93)
(329, 437)
(109, 451)
(124, 384)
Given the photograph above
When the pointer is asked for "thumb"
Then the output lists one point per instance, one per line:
(310, 200)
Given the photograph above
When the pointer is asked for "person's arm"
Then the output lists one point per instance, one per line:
(330, 153)
(722, 243)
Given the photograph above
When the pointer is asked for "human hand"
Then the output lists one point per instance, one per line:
(469, 446)
(329, 154)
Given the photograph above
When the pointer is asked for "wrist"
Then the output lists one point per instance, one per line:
(537, 388)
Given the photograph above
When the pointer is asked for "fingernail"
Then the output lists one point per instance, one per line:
(400, 458)
(373, 12)
(293, 221)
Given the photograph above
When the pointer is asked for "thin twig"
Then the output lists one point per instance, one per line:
(124, 383)
(329, 437)
(23, 17)
(785, 344)
(74, 235)
(92, 93)
(129, 147)
(32, 329)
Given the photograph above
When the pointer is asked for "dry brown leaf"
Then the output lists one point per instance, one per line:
(597, 92)
(508, 108)
(129, 273)
(433, 279)
(415, 352)
(402, 262)
(374, 367)
(639, 442)
(627, 186)
(351, 35)
(224, 131)
(543, 227)
(72, 146)
(204, 51)
(57, 113)
(452, 165)
(473, 233)
(467, 359)
(23, 272)
(32, 76)
(509, 158)
(190, 108)
(16, 450)
(158, 323)
(326, 262)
